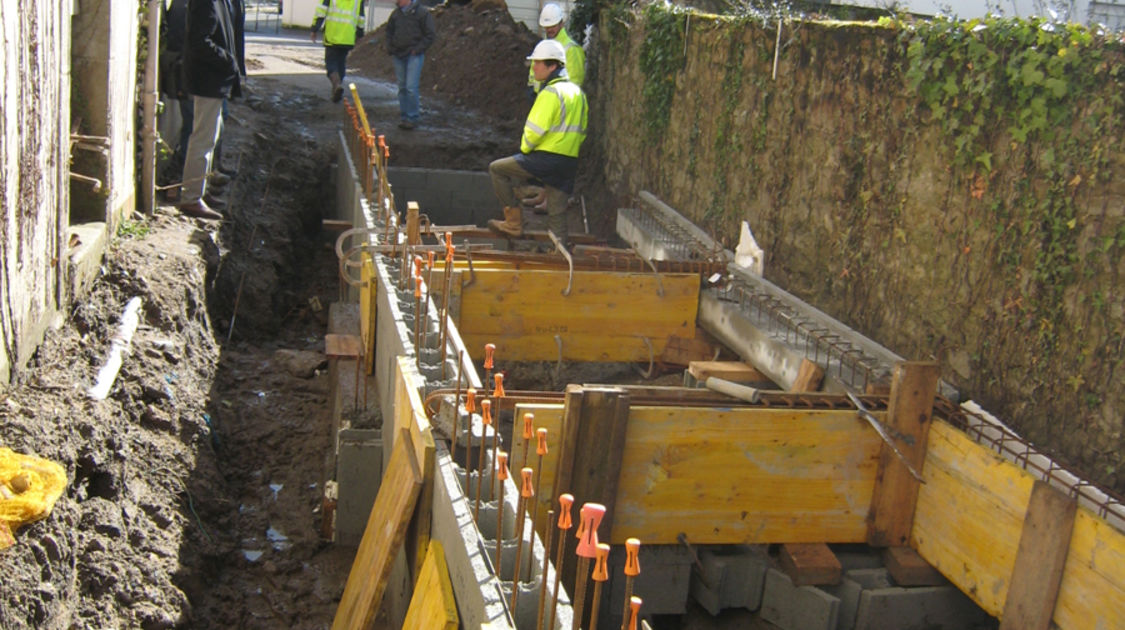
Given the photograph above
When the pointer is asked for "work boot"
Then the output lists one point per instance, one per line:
(512, 225)
(337, 89)
(199, 209)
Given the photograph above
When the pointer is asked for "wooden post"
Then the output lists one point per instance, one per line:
(909, 414)
(593, 438)
(1044, 543)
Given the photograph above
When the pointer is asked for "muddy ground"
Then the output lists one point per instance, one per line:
(195, 489)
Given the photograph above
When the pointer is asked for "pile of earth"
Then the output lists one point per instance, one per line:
(478, 61)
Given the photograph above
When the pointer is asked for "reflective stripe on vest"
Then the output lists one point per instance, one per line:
(557, 122)
(341, 19)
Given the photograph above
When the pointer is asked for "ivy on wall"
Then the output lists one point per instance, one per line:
(1037, 91)
(662, 57)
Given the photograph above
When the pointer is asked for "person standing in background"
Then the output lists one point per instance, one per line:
(410, 31)
(551, 18)
(343, 22)
(212, 74)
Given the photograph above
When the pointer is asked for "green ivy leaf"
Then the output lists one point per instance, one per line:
(1057, 87)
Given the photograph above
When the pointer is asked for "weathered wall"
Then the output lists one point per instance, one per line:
(105, 73)
(34, 57)
(1003, 263)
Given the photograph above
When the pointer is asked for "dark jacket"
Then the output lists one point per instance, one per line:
(211, 49)
(173, 30)
(410, 30)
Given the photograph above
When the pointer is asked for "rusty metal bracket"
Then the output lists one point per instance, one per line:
(651, 361)
(569, 262)
(469, 258)
(558, 364)
(659, 280)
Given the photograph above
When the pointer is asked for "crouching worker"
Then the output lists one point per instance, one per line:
(552, 135)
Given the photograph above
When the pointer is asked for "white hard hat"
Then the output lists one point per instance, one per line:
(548, 50)
(551, 15)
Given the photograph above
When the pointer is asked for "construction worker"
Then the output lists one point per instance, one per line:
(552, 135)
(343, 24)
(410, 31)
(551, 19)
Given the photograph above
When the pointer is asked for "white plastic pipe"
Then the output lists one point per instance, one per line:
(119, 345)
(730, 388)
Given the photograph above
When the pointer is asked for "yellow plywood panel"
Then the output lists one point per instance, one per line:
(410, 416)
(528, 306)
(614, 343)
(1092, 592)
(969, 515)
(367, 301)
(432, 606)
(550, 418)
(745, 475)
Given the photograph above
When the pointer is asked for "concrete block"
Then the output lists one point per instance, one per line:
(918, 608)
(359, 469)
(850, 589)
(732, 577)
(664, 582)
(797, 607)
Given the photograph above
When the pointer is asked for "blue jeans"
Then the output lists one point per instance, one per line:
(336, 60)
(408, 71)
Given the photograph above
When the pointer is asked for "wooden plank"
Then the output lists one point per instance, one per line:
(432, 606)
(809, 377)
(335, 225)
(969, 515)
(913, 388)
(810, 564)
(910, 569)
(745, 475)
(606, 317)
(386, 530)
(1034, 587)
(682, 350)
(1092, 593)
(342, 346)
(735, 371)
(411, 416)
(595, 420)
(368, 312)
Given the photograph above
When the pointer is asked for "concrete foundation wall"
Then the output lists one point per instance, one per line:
(34, 173)
(447, 197)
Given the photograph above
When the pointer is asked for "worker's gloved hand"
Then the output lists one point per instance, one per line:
(359, 32)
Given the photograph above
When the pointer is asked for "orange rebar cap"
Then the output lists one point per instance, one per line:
(471, 400)
(527, 491)
(565, 501)
(486, 411)
(501, 465)
(632, 561)
(541, 446)
(489, 350)
(601, 574)
(592, 514)
(528, 419)
(499, 389)
(635, 611)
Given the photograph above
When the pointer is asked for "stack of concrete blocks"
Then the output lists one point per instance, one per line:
(447, 197)
(741, 576)
(663, 583)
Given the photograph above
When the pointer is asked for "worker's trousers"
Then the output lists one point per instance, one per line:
(507, 174)
(206, 125)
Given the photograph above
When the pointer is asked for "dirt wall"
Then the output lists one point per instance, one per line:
(1004, 266)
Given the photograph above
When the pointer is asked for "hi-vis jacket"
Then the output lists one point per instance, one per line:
(341, 19)
(575, 62)
(557, 121)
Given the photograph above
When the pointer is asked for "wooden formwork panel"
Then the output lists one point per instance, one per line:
(607, 316)
(968, 522)
(432, 607)
(547, 416)
(734, 476)
(410, 417)
(367, 311)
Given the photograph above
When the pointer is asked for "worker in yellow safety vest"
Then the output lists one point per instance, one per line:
(552, 136)
(343, 22)
(551, 18)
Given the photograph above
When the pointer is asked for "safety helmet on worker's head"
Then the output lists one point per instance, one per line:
(551, 15)
(549, 50)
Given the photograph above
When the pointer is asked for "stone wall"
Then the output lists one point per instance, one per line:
(849, 183)
(34, 59)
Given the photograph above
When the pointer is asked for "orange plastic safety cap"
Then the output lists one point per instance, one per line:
(526, 491)
(592, 514)
(632, 562)
(565, 501)
(541, 446)
(489, 351)
(486, 411)
(601, 574)
(502, 465)
(528, 419)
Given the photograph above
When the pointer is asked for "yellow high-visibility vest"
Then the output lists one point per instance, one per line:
(557, 121)
(341, 19)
